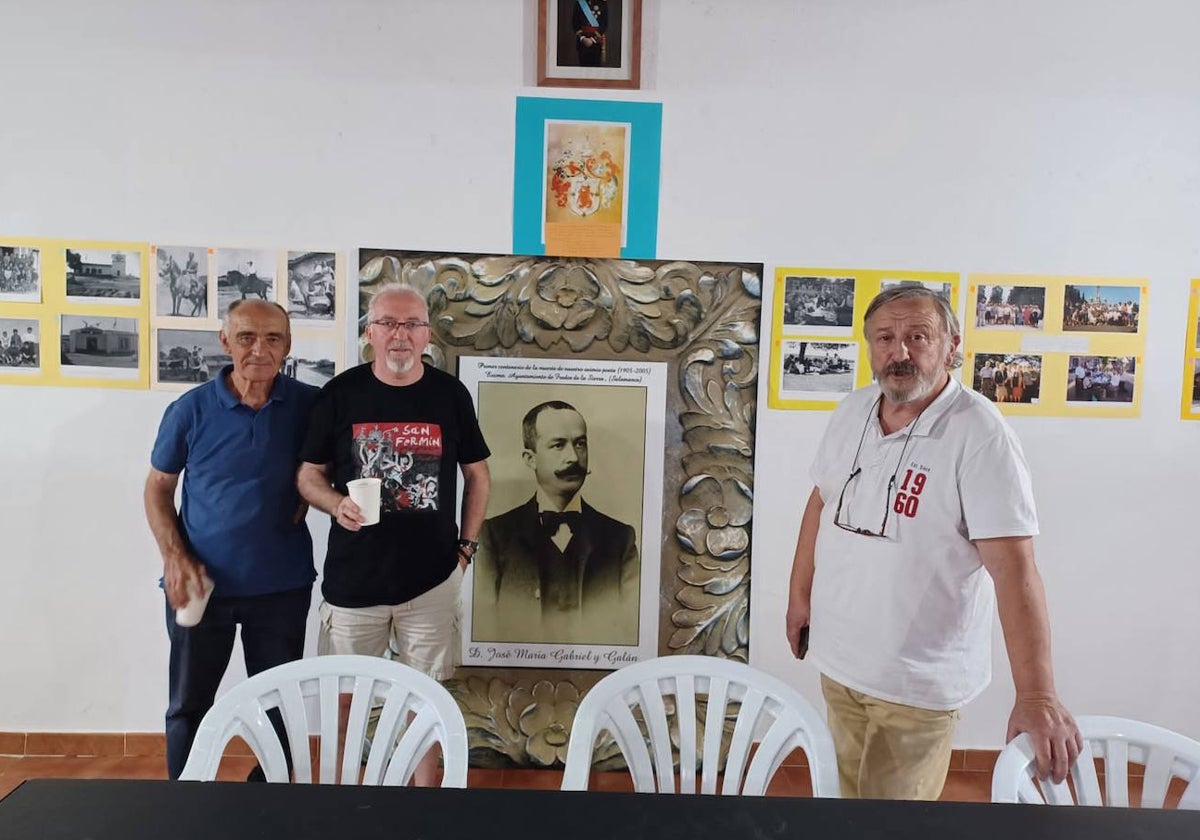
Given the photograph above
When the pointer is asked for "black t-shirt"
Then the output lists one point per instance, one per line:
(413, 437)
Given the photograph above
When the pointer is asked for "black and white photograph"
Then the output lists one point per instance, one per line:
(190, 356)
(569, 551)
(20, 345)
(821, 370)
(943, 290)
(1010, 308)
(101, 276)
(1114, 309)
(99, 346)
(1109, 379)
(818, 302)
(182, 286)
(312, 359)
(244, 273)
(312, 290)
(20, 274)
(1008, 377)
(589, 43)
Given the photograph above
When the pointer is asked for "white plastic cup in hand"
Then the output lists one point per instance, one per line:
(189, 614)
(364, 492)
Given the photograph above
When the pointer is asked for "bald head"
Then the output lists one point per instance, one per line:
(397, 292)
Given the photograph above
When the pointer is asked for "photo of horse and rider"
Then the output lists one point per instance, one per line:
(244, 273)
(182, 289)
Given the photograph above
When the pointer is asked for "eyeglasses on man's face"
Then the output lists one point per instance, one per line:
(392, 325)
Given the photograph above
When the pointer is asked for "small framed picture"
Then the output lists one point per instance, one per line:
(589, 43)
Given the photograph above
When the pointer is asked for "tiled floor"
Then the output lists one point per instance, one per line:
(966, 785)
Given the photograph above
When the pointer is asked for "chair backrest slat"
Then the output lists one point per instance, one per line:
(767, 709)
(325, 680)
(1115, 743)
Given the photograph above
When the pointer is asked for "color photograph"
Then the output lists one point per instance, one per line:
(1008, 378)
(1105, 379)
(98, 276)
(589, 43)
(1101, 309)
(1010, 308)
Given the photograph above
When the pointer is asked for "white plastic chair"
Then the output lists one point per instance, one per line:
(396, 747)
(1117, 742)
(769, 713)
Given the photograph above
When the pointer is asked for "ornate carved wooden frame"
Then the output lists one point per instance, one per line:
(703, 320)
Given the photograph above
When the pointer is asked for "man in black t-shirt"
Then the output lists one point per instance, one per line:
(396, 583)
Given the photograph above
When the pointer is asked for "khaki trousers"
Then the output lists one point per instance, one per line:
(887, 750)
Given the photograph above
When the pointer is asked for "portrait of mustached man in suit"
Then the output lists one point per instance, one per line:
(555, 569)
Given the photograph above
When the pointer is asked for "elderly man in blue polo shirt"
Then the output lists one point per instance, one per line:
(235, 439)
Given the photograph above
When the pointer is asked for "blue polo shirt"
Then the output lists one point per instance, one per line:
(239, 483)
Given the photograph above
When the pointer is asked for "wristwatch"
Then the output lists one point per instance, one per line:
(467, 548)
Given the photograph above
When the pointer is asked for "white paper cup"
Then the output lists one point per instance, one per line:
(364, 492)
(189, 614)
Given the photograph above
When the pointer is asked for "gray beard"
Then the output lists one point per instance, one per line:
(399, 367)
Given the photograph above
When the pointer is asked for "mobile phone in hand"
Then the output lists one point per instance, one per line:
(802, 646)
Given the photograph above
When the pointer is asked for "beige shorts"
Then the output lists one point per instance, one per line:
(422, 633)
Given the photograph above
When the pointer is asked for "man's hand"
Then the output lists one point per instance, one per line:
(1056, 737)
(181, 575)
(301, 512)
(348, 514)
(797, 620)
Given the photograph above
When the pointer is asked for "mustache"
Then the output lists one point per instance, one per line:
(900, 369)
(573, 471)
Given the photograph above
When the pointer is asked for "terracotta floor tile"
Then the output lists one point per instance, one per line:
(967, 786)
(75, 744)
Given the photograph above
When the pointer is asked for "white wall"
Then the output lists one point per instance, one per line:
(1056, 136)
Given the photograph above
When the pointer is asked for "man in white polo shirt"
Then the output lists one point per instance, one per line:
(922, 502)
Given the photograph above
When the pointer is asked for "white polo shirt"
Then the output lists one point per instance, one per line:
(907, 617)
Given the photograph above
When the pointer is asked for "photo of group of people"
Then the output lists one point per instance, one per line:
(1008, 378)
(192, 356)
(818, 302)
(20, 274)
(1010, 307)
(1101, 309)
(19, 344)
(1101, 379)
(941, 289)
(823, 367)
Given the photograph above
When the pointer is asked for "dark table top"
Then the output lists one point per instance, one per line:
(48, 809)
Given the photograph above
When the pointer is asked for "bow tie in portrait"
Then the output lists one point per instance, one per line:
(552, 519)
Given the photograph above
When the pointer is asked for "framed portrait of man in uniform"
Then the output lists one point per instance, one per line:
(589, 43)
(567, 569)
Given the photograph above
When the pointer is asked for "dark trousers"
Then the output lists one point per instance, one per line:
(273, 628)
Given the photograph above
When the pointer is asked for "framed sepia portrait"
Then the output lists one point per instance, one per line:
(589, 43)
